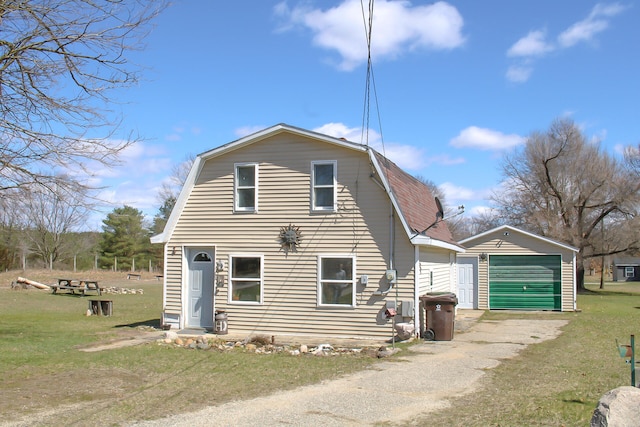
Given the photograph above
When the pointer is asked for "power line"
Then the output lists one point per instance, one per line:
(370, 82)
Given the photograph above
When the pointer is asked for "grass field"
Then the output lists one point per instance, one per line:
(42, 371)
(556, 383)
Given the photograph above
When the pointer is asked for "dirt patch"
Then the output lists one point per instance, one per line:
(76, 385)
(49, 277)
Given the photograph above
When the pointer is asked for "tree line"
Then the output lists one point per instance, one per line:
(49, 239)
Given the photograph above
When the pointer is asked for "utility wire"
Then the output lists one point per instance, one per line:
(370, 82)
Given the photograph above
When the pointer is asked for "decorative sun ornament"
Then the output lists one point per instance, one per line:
(290, 237)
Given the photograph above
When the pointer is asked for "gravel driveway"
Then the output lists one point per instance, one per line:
(395, 391)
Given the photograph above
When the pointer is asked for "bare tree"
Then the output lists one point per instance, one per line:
(50, 217)
(171, 187)
(478, 223)
(169, 192)
(562, 186)
(60, 61)
(455, 222)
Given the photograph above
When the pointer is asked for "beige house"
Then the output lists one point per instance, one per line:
(292, 232)
(508, 268)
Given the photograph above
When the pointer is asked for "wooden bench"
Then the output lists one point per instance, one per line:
(159, 277)
(133, 275)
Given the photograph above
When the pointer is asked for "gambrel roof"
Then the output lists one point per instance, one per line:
(412, 199)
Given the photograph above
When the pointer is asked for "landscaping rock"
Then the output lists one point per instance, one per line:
(618, 408)
(385, 352)
(170, 335)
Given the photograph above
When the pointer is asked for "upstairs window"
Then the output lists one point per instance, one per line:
(246, 187)
(323, 182)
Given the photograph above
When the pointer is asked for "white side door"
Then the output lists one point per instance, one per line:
(200, 288)
(466, 283)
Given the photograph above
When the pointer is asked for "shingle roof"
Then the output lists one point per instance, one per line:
(417, 204)
(628, 261)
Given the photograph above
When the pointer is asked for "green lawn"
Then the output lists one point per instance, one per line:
(554, 383)
(41, 366)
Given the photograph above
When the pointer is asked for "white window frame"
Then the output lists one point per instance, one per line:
(334, 186)
(230, 299)
(352, 281)
(237, 187)
(629, 272)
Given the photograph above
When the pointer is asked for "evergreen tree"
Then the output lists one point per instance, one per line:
(125, 239)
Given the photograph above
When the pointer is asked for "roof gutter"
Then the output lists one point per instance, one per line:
(423, 240)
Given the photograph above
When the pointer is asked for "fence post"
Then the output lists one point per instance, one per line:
(633, 361)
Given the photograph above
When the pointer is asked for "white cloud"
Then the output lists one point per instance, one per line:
(485, 139)
(340, 130)
(533, 44)
(398, 27)
(519, 73)
(595, 23)
(479, 210)
(473, 200)
(405, 156)
(455, 192)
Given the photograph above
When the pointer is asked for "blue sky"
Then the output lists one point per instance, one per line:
(458, 83)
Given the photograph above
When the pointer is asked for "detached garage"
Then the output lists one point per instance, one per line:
(517, 270)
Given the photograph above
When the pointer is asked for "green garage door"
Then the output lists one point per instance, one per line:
(525, 282)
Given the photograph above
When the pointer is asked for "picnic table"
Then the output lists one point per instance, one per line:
(73, 285)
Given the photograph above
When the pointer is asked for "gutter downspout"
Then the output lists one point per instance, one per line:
(416, 290)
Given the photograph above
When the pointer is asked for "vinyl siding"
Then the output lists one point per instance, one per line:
(520, 244)
(360, 227)
(436, 261)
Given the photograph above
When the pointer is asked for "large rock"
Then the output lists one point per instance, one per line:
(618, 408)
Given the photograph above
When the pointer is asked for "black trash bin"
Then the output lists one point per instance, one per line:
(440, 316)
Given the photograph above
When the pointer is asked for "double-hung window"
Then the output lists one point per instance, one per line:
(246, 187)
(323, 183)
(245, 279)
(628, 272)
(336, 283)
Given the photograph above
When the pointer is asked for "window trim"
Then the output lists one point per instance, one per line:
(230, 299)
(320, 281)
(629, 271)
(333, 208)
(236, 187)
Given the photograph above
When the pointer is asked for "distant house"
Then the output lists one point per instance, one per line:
(626, 269)
(292, 232)
(509, 268)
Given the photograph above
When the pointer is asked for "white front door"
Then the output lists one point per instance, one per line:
(200, 288)
(466, 288)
